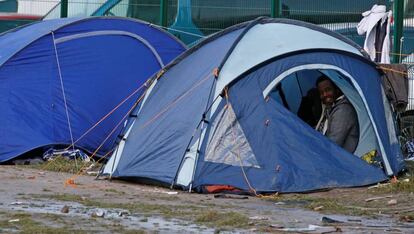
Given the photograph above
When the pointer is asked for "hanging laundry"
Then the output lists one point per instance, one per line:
(376, 26)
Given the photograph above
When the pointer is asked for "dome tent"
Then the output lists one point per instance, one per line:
(210, 118)
(58, 78)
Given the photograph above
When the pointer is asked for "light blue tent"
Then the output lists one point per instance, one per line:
(213, 118)
(59, 79)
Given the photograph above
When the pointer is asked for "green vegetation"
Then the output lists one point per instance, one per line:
(222, 219)
(211, 217)
(325, 205)
(405, 183)
(114, 191)
(24, 223)
(62, 164)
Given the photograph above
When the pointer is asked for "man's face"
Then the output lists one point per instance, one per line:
(327, 92)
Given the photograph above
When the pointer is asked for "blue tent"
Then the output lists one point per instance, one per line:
(59, 78)
(213, 117)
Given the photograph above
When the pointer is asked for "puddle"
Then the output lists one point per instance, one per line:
(119, 216)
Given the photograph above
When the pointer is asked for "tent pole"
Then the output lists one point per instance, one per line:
(63, 8)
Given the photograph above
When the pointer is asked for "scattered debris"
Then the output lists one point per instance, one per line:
(31, 177)
(258, 218)
(65, 209)
(392, 202)
(123, 213)
(92, 173)
(310, 228)
(406, 218)
(18, 203)
(329, 220)
(171, 193)
(318, 208)
(230, 196)
(14, 220)
(377, 198)
(355, 220)
(379, 185)
(333, 230)
(52, 154)
(276, 226)
(98, 213)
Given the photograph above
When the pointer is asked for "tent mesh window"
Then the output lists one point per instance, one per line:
(228, 144)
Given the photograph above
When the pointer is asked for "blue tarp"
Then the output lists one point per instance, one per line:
(93, 63)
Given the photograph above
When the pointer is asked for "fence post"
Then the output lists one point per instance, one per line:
(163, 12)
(398, 29)
(63, 8)
(275, 11)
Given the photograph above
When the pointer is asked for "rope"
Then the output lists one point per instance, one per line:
(71, 181)
(379, 52)
(108, 114)
(393, 70)
(63, 90)
(228, 105)
(166, 108)
(96, 124)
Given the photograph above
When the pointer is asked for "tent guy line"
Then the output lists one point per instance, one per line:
(63, 89)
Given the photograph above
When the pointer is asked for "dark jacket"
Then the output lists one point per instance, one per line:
(343, 128)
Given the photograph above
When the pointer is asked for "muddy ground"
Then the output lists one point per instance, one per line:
(37, 201)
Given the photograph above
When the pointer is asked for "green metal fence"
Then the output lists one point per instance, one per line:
(191, 20)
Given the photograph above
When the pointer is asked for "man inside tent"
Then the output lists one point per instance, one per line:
(339, 121)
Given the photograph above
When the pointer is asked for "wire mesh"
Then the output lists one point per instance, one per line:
(407, 52)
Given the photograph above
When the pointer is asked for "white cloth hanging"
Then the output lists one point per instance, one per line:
(368, 25)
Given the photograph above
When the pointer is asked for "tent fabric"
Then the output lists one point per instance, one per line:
(196, 105)
(297, 159)
(72, 72)
(171, 131)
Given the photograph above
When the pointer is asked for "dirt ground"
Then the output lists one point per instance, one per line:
(35, 201)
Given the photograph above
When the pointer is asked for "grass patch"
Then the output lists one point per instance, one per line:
(63, 197)
(184, 212)
(334, 206)
(402, 185)
(329, 205)
(62, 164)
(26, 224)
(166, 210)
(114, 191)
(225, 219)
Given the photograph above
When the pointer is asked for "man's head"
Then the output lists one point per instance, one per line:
(328, 91)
